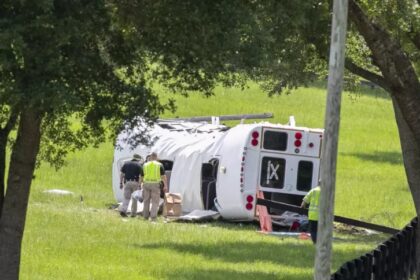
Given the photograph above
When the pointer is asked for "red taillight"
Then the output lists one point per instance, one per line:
(248, 206)
(255, 135)
(298, 143)
(298, 135)
(250, 198)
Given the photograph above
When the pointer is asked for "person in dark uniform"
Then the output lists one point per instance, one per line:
(130, 180)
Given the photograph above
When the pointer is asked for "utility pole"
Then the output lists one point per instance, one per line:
(330, 141)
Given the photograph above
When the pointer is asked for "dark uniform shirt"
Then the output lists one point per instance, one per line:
(132, 170)
(162, 170)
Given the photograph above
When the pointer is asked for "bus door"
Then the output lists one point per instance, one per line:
(208, 183)
(272, 172)
(276, 179)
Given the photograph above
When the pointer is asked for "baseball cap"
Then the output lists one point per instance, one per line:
(136, 157)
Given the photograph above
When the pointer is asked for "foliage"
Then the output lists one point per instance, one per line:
(61, 58)
(98, 61)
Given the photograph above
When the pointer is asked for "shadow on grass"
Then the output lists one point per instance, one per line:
(298, 255)
(225, 224)
(345, 237)
(385, 157)
(223, 274)
(240, 251)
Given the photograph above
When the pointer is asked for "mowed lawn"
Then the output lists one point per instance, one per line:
(78, 237)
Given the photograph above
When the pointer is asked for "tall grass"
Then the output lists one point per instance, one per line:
(78, 237)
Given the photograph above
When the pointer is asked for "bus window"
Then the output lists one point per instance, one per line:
(208, 183)
(167, 164)
(304, 176)
(275, 140)
(272, 172)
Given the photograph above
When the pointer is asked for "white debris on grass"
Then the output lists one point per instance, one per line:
(59, 192)
(200, 215)
(139, 206)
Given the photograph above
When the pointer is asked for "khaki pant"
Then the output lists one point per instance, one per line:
(151, 191)
(129, 188)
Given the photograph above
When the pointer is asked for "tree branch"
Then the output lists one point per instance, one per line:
(395, 66)
(4, 134)
(415, 38)
(11, 122)
(368, 75)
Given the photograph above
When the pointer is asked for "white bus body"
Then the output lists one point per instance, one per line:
(212, 166)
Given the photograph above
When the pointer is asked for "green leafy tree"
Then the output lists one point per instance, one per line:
(391, 32)
(58, 59)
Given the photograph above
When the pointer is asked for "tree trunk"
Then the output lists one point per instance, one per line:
(395, 66)
(4, 135)
(22, 165)
(404, 86)
(3, 143)
(411, 155)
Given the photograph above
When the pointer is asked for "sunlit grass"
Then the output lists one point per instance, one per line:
(78, 237)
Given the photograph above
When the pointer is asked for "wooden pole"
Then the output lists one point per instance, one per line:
(330, 142)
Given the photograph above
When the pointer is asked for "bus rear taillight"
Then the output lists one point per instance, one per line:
(249, 200)
(298, 141)
(255, 135)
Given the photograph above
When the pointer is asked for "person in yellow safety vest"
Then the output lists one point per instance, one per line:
(154, 173)
(312, 199)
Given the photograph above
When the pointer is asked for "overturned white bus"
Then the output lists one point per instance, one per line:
(216, 167)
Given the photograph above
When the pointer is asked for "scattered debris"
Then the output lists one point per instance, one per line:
(349, 229)
(288, 218)
(59, 192)
(199, 215)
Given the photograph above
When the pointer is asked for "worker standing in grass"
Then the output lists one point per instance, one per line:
(154, 173)
(312, 199)
(130, 180)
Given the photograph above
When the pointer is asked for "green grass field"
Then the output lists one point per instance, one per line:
(70, 238)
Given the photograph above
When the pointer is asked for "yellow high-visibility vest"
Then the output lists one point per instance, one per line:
(151, 172)
(312, 198)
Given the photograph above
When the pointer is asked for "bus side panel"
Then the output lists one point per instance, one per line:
(251, 170)
(229, 195)
(228, 190)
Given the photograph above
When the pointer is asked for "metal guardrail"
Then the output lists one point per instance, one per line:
(339, 219)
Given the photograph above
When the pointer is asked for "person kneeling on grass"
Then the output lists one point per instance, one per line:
(312, 199)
